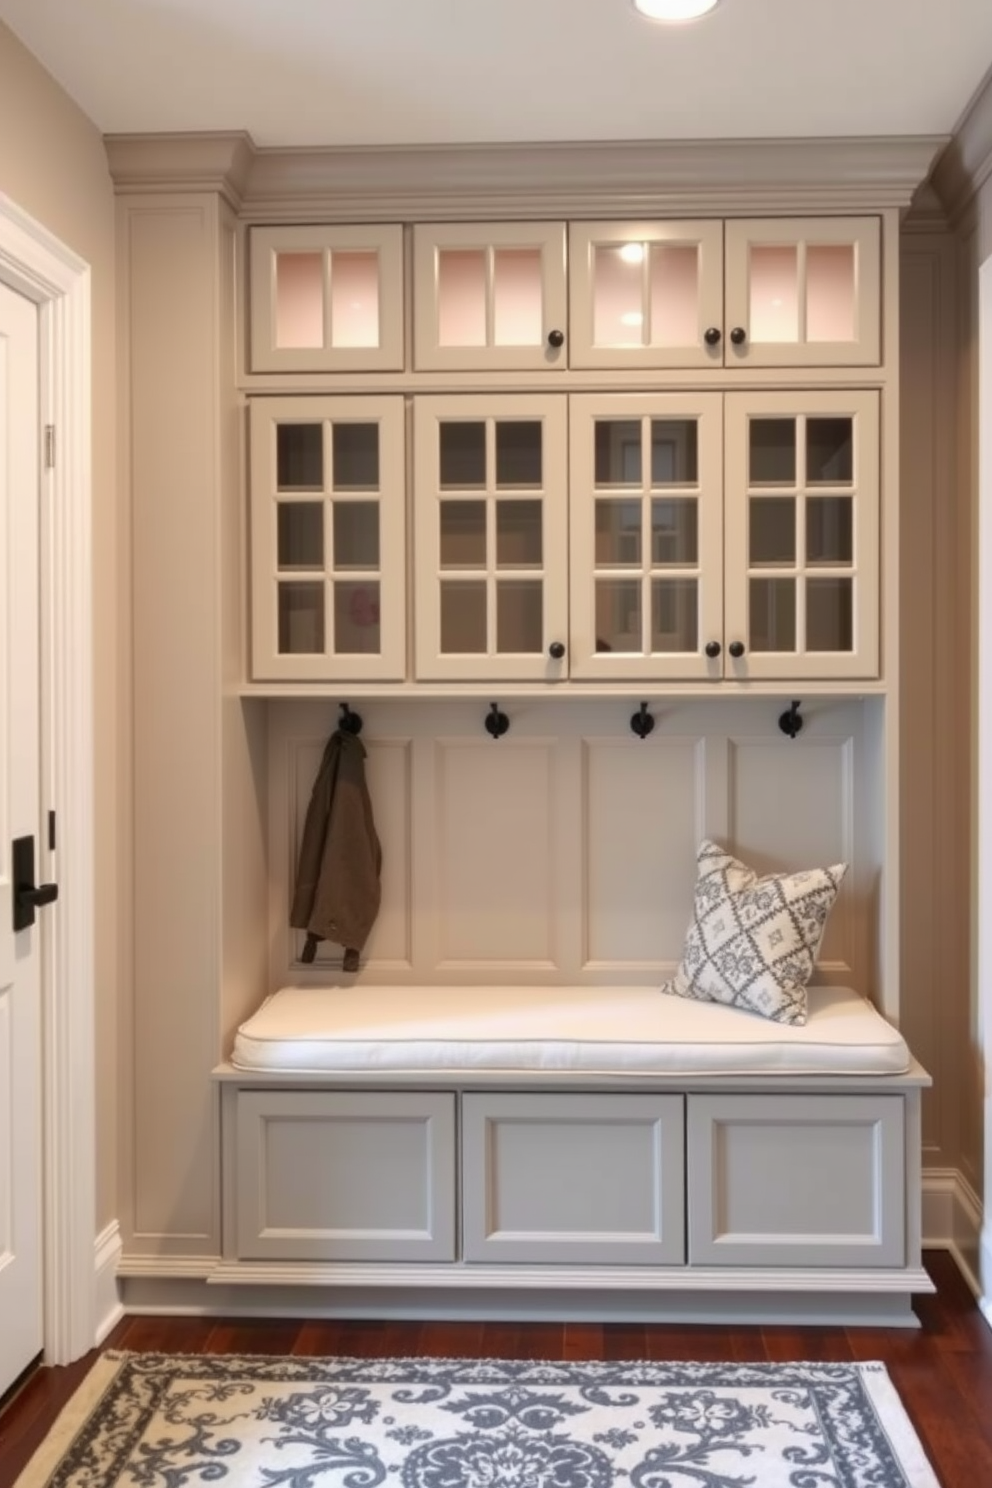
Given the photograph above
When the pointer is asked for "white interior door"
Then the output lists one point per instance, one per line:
(21, 1335)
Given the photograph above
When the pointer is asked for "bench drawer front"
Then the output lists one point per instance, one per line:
(584, 1179)
(796, 1180)
(339, 1175)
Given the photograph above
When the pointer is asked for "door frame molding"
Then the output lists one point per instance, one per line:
(37, 265)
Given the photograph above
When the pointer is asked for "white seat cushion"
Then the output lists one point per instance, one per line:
(623, 1031)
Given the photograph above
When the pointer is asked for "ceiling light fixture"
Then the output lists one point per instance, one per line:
(673, 10)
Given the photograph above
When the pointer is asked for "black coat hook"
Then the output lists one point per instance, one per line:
(642, 722)
(790, 722)
(349, 723)
(497, 723)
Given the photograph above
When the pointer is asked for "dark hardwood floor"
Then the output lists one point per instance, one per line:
(943, 1370)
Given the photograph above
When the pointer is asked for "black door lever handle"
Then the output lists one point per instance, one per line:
(28, 896)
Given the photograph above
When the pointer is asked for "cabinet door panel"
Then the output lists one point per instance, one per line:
(644, 294)
(801, 518)
(489, 296)
(589, 1178)
(490, 501)
(803, 292)
(646, 508)
(326, 299)
(328, 539)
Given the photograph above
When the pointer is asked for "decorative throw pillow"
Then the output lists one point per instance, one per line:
(753, 941)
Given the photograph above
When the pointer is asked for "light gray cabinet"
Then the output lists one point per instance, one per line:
(598, 1179)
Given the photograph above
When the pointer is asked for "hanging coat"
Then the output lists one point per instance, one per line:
(338, 891)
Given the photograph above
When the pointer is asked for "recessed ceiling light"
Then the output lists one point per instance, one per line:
(673, 10)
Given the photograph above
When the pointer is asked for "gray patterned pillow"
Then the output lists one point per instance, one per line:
(753, 941)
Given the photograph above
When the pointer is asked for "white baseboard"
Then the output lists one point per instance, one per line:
(952, 1220)
(985, 1273)
(108, 1309)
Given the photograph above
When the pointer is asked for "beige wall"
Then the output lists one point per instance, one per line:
(53, 165)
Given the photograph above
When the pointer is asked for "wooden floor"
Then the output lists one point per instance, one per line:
(943, 1370)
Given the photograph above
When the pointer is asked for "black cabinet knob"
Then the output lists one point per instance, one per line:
(736, 649)
(556, 339)
(712, 335)
(712, 648)
(738, 335)
(556, 650)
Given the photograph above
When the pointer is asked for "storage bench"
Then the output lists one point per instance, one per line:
(573, 1152)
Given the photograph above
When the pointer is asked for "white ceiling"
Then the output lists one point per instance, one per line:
(335, 72)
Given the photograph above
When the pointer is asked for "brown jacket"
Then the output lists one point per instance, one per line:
(338, 891)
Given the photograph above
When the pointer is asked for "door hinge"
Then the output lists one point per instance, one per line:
(49, 446)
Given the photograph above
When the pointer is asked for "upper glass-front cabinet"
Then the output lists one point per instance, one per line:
(489, 296)
(803, 292)
(491, 590)
(326, 299)
(328, 539)
(646, 294)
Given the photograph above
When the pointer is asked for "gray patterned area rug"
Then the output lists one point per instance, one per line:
(166, 1420)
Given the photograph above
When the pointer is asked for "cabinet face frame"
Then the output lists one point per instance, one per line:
(862, 661)
(863, 234)
(264, 246)
(429, 412)
(588, 661)
(583, 240)
(430, 240)
(268, 662)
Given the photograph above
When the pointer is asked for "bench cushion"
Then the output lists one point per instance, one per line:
(623, 1031)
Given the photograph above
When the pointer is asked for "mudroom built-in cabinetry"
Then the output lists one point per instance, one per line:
(573, 475)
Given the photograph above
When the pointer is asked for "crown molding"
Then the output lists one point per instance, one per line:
(640, 177)
(966, 164)
(181, 162)
(927, 213)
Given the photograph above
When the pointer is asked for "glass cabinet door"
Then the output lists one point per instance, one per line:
(489, 296)
(490, 500)
(802, 534)
(803, 292)
(326, 299)
(328, 548)
(646, 538)
(646, 294)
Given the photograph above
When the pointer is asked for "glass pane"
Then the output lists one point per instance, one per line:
(356, 534)
(617, 452)
(301, 619)
(463, 534)
(773, 614)
(771, 530)
(674, 452)
(518, 319)
(355, 299)
(519, 535)
(674, 615)
(772, 452)
(618, 295)
(830, 451)
(463, 618)
(829, 529)
(774, 302)
(355, 450)
(830, 615)
(300, 534)
(830, 286)
(300, 457)
(519, 616)
(356, 618)
(300, 300)
(674, 532)
(674, 290)
(618, 615)
(618, 534)
(463, 456)
(518, 453)
(461, 297)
